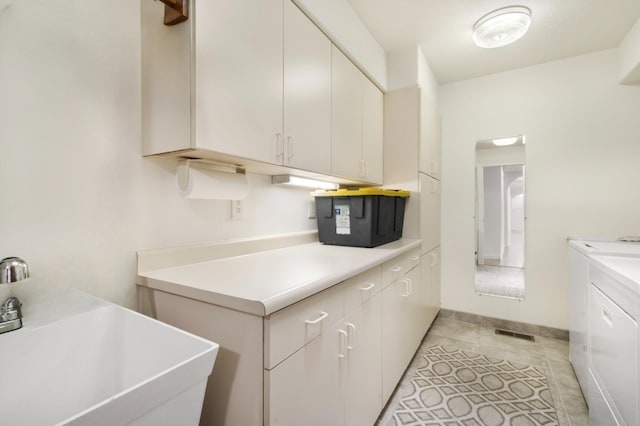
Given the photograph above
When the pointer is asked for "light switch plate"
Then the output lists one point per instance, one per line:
(311, 209)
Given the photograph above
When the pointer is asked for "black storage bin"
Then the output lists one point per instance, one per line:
(366, 217)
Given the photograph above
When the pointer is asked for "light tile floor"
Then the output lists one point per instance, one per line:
(551, 355)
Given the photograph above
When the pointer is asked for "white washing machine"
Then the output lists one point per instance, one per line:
(614, 340)
(579, 284)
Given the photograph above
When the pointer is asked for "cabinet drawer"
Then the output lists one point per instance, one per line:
(291, 328)
(397, 267)
(361, 288)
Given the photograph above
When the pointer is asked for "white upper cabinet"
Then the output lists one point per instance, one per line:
(307, 93)
(214, 82)
(372, 131)
(259, 85)
(429, 135)
(357, 120)
(429, 212)
(346, 126)
(238, 77)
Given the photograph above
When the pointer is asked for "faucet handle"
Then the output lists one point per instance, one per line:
(10, 310)
(10, 315)
(13, 269)
(11, 304)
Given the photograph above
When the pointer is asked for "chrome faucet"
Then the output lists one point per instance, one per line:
(12, 269)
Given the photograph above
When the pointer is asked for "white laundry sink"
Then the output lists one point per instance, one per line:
(108, 366)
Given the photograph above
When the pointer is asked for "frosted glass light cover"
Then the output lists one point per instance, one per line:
(502, 27)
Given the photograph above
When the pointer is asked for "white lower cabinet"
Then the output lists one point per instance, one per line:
(394, 353)
(430, 283)
(305, 389)
(363, 372)
(331, 359)
(403, 327)
(336, 378)
(346, 374)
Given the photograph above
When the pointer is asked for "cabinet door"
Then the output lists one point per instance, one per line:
(363, 381)
(434, 301)
(307, 93)
(429, 212)
(238, 77)
(429, 134)
(430, 282)
(346, 113)
(372, 131)
(305, 389)
(395, 335)
(415, 315)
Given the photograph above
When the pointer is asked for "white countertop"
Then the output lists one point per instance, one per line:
(264, 282)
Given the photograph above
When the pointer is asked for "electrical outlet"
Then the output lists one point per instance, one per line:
(311, 209)
(237, 209)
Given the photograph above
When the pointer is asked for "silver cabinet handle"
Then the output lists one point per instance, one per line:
(407, 287)
(289, 147)
(322, 316)
(342, 343)
(279, 147)
(351, 336)
(369, 287)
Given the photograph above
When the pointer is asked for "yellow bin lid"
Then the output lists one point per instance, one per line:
(361, 192)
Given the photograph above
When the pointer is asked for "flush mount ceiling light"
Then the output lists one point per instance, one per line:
(502, 26)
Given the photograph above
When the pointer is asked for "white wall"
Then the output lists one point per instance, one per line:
(402, 68)
(78, 198)
(345, 29)
(502, 156)
(581, 169)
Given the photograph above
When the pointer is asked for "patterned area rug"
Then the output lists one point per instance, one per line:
(459, 388)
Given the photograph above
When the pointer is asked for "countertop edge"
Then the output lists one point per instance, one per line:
(280, 301)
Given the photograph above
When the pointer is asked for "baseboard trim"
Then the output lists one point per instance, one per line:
(515, 326)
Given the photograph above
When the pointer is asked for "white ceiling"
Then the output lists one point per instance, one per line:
(559, 29)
